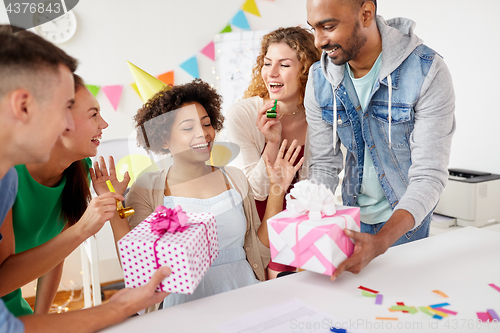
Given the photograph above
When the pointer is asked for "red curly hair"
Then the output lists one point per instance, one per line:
(298, 39)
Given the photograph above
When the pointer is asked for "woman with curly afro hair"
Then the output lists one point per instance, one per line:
(182, 121)
(279, 74)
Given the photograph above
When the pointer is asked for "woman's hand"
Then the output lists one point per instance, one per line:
(270, 127)
(99, 174)
(100, 210)
(281, 173)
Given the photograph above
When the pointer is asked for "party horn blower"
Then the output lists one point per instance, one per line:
(123, 212)
(271, 113)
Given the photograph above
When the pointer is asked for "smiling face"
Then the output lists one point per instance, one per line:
(85, 138)
(191, 135)
(337, 29)
(280, 73)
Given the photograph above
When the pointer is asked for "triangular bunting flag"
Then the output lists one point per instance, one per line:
(251, 7)
(167, 78)
(209, 50)
(191, 66)
(93, 89)
(113, 93)
(226, 29)
(240, 20)
(147, 85)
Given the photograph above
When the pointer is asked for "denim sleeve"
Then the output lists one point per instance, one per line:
(324, 164)
(9, 323)
(430, 143)
(8, 192)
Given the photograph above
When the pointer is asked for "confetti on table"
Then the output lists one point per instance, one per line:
(439, 313)
(378, 299)
(439, 292)
(427, 312)
(424, 310)
(493, 315)
(338, 330)
(484, 316)
(368, 290)
(446, 311)
(401, 303)
(367, 294)
(494, 286)
(410, 309)
(440, 305)
(386, 318)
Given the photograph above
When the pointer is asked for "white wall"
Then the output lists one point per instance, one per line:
(158, 35)
(465, 34)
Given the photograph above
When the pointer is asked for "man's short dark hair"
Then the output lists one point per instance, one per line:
(24, 55)
(356, 4)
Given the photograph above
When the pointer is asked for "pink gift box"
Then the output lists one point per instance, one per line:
(189, 254)
(314, 245)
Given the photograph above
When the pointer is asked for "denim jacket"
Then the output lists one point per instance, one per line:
(408, 135)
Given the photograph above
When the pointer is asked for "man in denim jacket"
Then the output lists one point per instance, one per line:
(393, 111)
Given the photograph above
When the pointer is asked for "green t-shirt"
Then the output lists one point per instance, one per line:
(36, 219)
(374, 206)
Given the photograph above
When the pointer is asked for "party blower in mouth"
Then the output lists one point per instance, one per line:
(123, 212)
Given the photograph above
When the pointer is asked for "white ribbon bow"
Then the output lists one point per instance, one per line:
(310, 198)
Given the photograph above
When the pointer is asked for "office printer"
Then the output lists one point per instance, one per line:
(472, 197)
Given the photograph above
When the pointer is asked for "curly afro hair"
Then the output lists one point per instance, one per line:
(154, 120)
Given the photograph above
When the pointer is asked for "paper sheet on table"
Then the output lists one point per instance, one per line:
(287, 317)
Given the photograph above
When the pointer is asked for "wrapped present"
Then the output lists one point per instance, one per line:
(309, 234)
(185, 242)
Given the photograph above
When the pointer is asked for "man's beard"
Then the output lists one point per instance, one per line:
(354, 44)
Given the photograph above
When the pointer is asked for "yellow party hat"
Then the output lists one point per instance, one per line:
(223, 153)
(147, 85)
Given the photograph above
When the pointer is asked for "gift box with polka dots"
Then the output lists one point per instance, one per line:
(189, 254)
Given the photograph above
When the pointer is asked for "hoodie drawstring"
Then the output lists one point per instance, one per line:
(334, 122)
(389, 83)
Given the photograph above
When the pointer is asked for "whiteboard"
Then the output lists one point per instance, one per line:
(236, 53)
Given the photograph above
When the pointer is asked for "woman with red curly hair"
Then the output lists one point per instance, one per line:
(280, 73)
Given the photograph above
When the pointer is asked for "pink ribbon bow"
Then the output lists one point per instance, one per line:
(171, 220)
(168, 220)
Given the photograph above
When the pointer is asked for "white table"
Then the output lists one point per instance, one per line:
(460, 263)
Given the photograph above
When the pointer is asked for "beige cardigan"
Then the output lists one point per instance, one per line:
(241, 130)
(147, 193)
